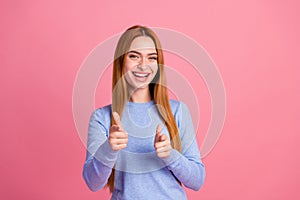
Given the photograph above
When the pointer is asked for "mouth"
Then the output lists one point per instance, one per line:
(140, 75)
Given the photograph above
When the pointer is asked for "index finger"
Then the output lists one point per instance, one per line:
(117, 119)
(158, 132)
(158, 129)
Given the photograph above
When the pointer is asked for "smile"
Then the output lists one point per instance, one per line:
(141, 74)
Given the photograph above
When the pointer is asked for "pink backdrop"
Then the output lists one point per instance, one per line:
(255, 45)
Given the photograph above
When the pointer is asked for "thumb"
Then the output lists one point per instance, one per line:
(158, 132)
(117, 120)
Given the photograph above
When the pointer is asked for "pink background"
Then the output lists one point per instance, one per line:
(255, 45)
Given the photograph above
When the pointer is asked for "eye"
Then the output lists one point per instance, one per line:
(153, 58)
(133, 56)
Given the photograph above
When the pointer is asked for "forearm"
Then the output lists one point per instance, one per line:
(189, 172)
(98, 167)
(95, 174)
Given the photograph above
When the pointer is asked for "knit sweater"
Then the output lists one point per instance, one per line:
(139, 173)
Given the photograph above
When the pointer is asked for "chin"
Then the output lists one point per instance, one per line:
(142, 86)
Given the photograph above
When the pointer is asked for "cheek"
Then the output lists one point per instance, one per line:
(128, 66)
(155, 68)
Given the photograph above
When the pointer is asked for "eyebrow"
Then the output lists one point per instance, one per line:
(149, 54)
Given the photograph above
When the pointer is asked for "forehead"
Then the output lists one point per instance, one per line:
(142, 43)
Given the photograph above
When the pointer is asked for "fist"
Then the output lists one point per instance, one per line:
(118, 138)
(162, 144)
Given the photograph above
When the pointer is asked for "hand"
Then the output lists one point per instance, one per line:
(162, 144)
(118, 138)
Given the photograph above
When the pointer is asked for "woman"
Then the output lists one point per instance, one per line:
(143, 145)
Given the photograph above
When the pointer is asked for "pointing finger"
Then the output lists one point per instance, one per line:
(158, 132)
(117, 120)
(158, 128)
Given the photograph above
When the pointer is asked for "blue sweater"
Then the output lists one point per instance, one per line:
(140, 174)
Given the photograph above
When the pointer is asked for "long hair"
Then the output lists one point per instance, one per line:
(158, 90)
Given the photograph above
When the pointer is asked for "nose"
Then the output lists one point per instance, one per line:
(143, 63)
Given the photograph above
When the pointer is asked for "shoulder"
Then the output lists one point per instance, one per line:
(102, 115)
(102, 111)
(177, 106)
(180, 111)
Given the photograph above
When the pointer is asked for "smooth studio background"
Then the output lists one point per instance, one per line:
(255, 45)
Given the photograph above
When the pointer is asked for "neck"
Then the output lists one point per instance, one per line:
(140, 95)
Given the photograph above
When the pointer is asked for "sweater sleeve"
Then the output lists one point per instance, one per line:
(100, 158)
(186, 166)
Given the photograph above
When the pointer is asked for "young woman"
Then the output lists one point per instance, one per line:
(143, 145)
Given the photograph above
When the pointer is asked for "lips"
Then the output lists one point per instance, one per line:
(140, 74)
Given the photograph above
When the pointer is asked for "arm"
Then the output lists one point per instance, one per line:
(100, 157)
(187, 167)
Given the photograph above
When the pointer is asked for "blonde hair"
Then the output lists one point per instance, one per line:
(157, 87)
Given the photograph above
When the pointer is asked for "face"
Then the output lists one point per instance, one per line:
(141, 63)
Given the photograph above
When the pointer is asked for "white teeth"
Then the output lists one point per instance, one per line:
(140, 75)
